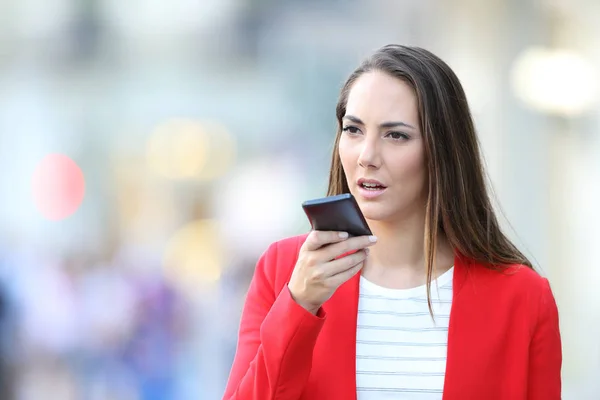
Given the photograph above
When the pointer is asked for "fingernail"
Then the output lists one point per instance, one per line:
(372, 239)
(343, 235)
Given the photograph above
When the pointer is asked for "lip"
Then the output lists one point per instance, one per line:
(373, 181)
(370, 193)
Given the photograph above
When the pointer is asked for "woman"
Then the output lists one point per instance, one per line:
(439, 304)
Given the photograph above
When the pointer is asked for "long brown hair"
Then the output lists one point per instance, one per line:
(458, 204)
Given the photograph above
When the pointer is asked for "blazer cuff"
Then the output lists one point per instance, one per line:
(297, 308)
(289, 328)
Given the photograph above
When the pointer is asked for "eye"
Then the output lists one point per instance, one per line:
(398, 136)
(353, 130)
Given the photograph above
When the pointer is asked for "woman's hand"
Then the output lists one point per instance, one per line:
(319, 272)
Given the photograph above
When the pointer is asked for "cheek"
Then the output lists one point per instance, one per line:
(411, 166)
(346, 153)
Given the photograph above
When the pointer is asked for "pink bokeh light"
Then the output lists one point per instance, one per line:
(58, 187)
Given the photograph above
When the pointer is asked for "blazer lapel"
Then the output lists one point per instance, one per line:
(466, 334)
(342, 313)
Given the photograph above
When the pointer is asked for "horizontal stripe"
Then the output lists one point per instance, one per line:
(398, 390)
(391, 358)
(415, 299)
(400, 373)
(401, 334)
(404, 329)
(368, 311)
(410, 344)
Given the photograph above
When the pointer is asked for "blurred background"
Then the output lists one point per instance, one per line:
(151, 150)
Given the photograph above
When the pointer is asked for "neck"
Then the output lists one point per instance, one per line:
(400, 245)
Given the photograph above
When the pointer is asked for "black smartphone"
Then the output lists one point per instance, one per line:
(336, 213)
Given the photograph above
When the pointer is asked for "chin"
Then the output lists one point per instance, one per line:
(375, 212)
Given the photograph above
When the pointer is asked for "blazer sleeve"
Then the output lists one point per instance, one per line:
(276, 337)
(545, 351)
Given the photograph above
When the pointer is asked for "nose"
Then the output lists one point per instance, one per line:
(369, 154)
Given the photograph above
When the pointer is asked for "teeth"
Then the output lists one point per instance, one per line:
(372, 186)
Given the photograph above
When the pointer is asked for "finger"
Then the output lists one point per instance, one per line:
(347, 246)
(318, 239)
(339, 279)
(345, 263)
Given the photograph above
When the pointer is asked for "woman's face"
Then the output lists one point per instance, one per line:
(381, 148)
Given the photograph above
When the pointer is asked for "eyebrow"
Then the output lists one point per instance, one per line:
(383, 125)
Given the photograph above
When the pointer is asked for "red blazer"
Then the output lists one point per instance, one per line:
(503, 337)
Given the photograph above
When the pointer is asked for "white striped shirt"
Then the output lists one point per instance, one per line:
(400, 350)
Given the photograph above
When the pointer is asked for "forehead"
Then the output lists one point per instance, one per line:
(377, 97)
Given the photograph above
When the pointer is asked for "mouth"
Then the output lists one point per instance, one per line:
(371, 185)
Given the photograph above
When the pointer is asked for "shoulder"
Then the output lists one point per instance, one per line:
(285, 248)
(289, 245)
(277, 262)
(516, 284)
(515, 277)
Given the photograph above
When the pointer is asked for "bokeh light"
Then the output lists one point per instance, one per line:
(260, 202)
(555, 81)
(184, 149)
(193, 256)
(58, 186)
